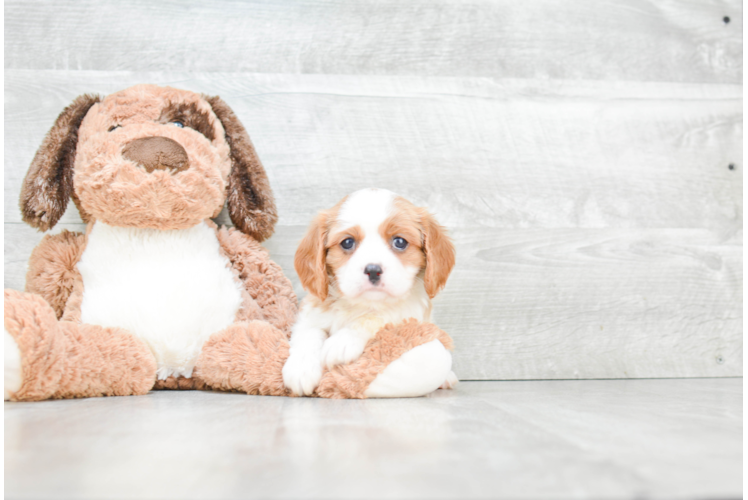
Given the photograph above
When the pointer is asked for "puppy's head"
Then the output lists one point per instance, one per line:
(149, 156)
(374, 245)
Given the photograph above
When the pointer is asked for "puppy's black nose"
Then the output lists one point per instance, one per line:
(374, 271)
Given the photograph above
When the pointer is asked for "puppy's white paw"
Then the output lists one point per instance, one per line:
(13, 376)
(341, 348)
(302, 373)
(451, 381)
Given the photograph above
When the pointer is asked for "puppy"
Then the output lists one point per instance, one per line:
(372, 259)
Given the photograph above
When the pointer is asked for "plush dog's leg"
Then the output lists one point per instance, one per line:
(451, 381)
(418, 372)
(409, 359)
(247, 356)
(12, 366)
(61, 359)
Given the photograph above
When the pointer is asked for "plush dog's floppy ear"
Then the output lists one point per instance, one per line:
(310, 261)
(250, 199)
(440, 254)
(48, 184)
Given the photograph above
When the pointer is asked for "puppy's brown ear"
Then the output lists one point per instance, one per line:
(48, 184)
(440, 254)
(311, 258)
(250, 199)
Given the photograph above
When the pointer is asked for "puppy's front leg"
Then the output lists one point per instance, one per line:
(346, 345)
(302, 371)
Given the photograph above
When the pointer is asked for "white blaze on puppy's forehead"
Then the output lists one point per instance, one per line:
(365, 215)
(367, 208)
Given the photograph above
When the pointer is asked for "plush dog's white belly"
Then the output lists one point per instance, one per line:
(173, 289)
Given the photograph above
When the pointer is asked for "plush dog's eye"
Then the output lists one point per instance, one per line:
(177, 124)
(399, 243)
(114, 127)
(347, 243)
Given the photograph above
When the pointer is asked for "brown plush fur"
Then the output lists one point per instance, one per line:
(52, 273)
(181, 384)
(190, 115)
(92, 134)
(61, 359)
(250, 200)
(391, 342)
(246, 357)
(49, 182)
(72, 311)
(120, 191)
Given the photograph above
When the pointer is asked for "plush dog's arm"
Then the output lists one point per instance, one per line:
(262, 278)
(52, 268)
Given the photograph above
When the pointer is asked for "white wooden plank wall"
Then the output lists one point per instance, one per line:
(579, 152)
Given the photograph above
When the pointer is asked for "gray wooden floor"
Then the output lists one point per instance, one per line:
(545, 439)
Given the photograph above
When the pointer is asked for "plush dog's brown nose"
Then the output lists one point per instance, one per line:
(157, 153)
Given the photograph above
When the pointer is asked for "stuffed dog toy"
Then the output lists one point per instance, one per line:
(154, 295)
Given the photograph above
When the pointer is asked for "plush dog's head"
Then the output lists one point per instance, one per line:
(149, 156)
(374, 245)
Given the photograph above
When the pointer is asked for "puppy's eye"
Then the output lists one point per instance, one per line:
(114, 127)
(399, 243)
(177, 124)
(347, 243)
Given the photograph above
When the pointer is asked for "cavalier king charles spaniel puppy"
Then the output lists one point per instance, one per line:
(372, 259)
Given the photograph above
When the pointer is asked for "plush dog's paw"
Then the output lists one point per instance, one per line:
(12, 365)
(419, 371)
(341, 348)
(451, 381)
(301, 373)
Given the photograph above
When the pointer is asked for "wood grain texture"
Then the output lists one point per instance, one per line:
(484, 153)
(622, 40)
(586, 303)
(565, 303)
(587, 440)
(744, 59)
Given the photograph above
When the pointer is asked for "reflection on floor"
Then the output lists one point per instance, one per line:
(582, 439)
